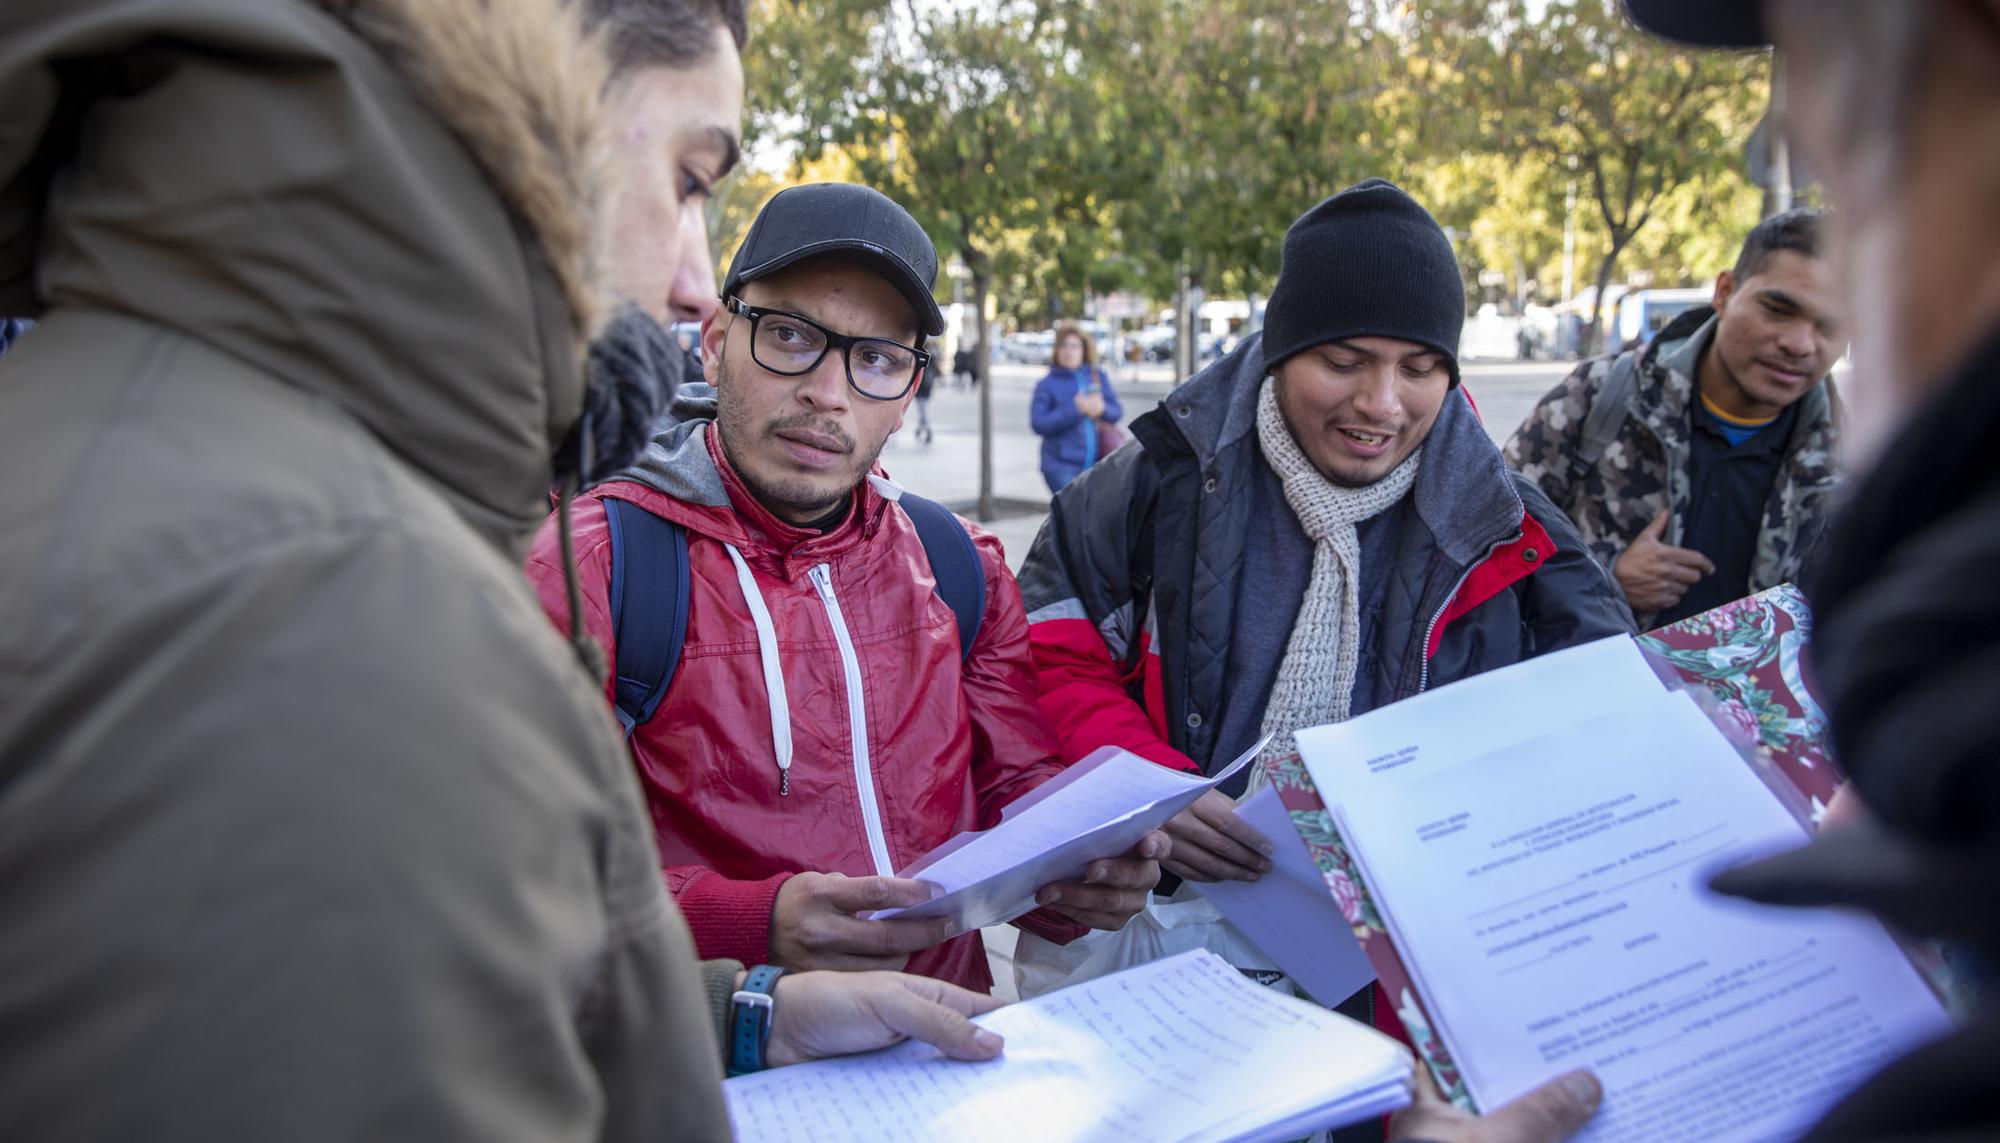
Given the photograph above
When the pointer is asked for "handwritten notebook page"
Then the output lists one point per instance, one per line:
(1181, 1049)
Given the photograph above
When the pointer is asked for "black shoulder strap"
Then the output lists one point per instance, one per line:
(961, 582)
(649, 607)
(649, 594)
(1608, 411)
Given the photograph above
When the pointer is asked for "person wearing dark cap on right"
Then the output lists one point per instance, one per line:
(1315, 526)
(1895, 104)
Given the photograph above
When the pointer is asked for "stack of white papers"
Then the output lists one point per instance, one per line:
(1100, 807)
(1538, 841)
(1184, 1048)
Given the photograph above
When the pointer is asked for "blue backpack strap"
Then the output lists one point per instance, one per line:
(649, 607)
(961, 582)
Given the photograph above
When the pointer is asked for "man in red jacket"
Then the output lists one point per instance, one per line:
(822, 728)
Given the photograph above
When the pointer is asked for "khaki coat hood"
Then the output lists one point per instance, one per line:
(386, 203)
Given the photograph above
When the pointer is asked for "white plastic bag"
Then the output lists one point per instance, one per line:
(1166, 926)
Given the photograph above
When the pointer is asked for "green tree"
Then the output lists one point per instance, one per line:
(968, 115)
(1578, 88)
(1226, 119)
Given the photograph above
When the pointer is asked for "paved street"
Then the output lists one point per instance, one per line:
(947, 469)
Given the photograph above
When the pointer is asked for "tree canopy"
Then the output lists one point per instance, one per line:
(1058, 150)
(1065, 148)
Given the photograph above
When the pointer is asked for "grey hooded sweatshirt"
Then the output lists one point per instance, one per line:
(310, 826)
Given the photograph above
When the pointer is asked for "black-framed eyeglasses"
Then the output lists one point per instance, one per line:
(791, 345)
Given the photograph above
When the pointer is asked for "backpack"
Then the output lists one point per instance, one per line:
(1606, 419)
(650, 626)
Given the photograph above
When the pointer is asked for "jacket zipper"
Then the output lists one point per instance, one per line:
(857, 723)
(1424, 676)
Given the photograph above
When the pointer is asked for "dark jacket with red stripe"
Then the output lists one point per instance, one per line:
(1485, 572)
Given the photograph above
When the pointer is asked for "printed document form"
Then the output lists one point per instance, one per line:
(1543, 874)
(1184, 1048)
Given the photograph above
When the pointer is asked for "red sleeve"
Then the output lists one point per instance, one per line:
(1083, 691)
(731, 920)
(1013, 750)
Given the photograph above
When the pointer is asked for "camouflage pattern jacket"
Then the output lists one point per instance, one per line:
(1645, 466)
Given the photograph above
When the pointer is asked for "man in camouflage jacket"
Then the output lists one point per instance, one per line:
(1719, 436)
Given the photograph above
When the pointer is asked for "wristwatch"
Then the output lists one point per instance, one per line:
(750, 1020)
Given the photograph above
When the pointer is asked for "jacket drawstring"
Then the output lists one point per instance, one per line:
(587, 650)
(774, 675)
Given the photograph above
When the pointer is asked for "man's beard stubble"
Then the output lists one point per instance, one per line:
(794, 499)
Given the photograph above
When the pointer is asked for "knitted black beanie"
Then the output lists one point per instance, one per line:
(1368, 262)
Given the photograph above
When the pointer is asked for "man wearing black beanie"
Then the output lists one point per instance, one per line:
(1314, 526)
(1368, 262)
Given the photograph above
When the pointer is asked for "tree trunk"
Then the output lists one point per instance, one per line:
(1604, 268)
(982, 366)
(1183, 331)
(1187, 341)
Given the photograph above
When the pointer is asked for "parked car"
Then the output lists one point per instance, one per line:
(1029, 347)
(687, 335)
(1642, 314)
(1156, 342)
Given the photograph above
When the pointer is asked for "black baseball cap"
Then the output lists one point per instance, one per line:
(854, 222)
(1704, 23)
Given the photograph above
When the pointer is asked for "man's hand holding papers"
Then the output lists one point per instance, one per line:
(1212, 844)
(814, 923)
(819, 919)
(1113, 889)
(1090, 836)
(1549, 1114)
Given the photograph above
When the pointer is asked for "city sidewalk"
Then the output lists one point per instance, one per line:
(947, 468)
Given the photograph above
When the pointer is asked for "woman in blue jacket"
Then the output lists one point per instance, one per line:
(1072, 402)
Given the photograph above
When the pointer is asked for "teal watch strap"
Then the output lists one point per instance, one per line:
(750, 1020)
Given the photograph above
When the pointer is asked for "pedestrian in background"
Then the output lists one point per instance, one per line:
(965, 365)
(924, 433)
(1075, 411)
(11, 330)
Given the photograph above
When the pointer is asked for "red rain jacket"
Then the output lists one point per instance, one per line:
(939, 746)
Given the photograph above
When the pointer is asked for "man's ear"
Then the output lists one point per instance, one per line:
(903, 406)
(714, 340)
(1725, 288)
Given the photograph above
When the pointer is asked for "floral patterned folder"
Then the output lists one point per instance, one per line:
(1747, 656)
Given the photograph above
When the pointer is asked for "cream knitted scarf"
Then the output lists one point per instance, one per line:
(1315, 681)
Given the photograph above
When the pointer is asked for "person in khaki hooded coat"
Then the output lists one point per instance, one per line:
(310, 827)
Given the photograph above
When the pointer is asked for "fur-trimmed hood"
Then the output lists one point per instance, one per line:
(388, 203)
